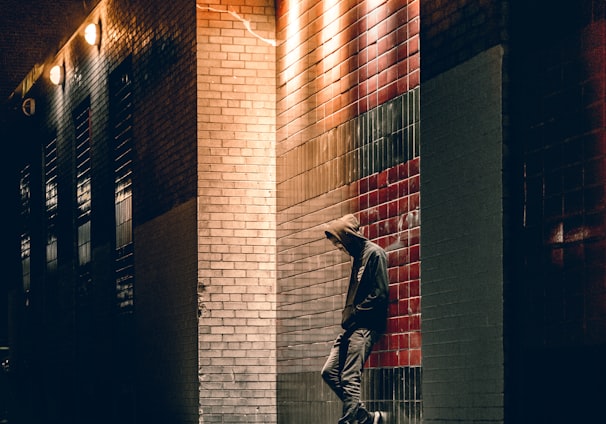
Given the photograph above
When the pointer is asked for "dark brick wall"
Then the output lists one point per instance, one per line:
(160, 37)
(77, 359)
(455, 31)
(30, 32)
(559, 317)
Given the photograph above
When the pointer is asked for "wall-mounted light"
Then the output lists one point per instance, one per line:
(28, 106)
(56, 74)
(92, 34)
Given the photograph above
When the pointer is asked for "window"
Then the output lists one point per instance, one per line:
(121, 108)
(51, 202)
(83, 195)
(25, 190)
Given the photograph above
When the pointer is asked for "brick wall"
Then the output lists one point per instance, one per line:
(165, 325)
(236, 211)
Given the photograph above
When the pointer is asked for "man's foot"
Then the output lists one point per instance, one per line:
(379, 417)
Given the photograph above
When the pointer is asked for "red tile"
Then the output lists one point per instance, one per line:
(373, 361)
(414, 78)
(414, 183)
(415, 271)
(393, 175)
(403, 188)
(384, 242)
(373, 231)
(372, 215)
(403, 84)
(389, 359)
(414, 287)
(403, 324)
(393, 276)
(414, 166)
(402, 171)
(404, 341)
(363, 185)
(415, 339)
(404, 273)
(392, 325)
(382, 179)
(415, 357)
(392, 310)
(373, 182)
(383, 343)
(382, 202)
(363, 201)
(373, 198)
(414, 236)
(403, 205)
(392, 209)
(392, 259)
(403, 358)
(414, 322)
(393, 224)
(415, 305)
(415, 253)
(363, 218)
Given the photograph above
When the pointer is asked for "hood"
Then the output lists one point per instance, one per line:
(347, 231)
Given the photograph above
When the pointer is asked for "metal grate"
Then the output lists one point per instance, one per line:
(51, 202)
(83, 181)
(121, 108)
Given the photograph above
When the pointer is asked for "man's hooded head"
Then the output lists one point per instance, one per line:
(346, 232)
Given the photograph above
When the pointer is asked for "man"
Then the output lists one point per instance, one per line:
(363, 318)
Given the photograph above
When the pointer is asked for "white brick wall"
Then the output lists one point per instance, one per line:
(236, 212)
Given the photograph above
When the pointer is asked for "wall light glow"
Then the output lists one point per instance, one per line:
(56, 74)
(92, 34)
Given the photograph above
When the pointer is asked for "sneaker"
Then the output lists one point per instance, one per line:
(378, 418)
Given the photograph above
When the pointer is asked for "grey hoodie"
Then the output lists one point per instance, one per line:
(367, 294)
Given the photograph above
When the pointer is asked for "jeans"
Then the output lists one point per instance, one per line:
(343, 372)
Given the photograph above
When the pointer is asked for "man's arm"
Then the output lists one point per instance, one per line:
(377, 269)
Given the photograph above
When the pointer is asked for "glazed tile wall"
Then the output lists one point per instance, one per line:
(347, 142)
(380, 139)
(312, 276)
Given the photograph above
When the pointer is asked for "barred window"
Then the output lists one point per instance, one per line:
(121, 109)
(25, 190)
(51, 202)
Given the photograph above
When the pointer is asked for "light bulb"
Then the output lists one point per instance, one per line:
(56, 74)
(91, 34)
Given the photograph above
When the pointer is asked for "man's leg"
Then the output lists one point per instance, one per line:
(356, 350)
(331, 372)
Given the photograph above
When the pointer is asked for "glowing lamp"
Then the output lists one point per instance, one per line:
(56, 74)
(92, 34)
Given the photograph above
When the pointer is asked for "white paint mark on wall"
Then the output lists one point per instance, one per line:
(245, 22)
